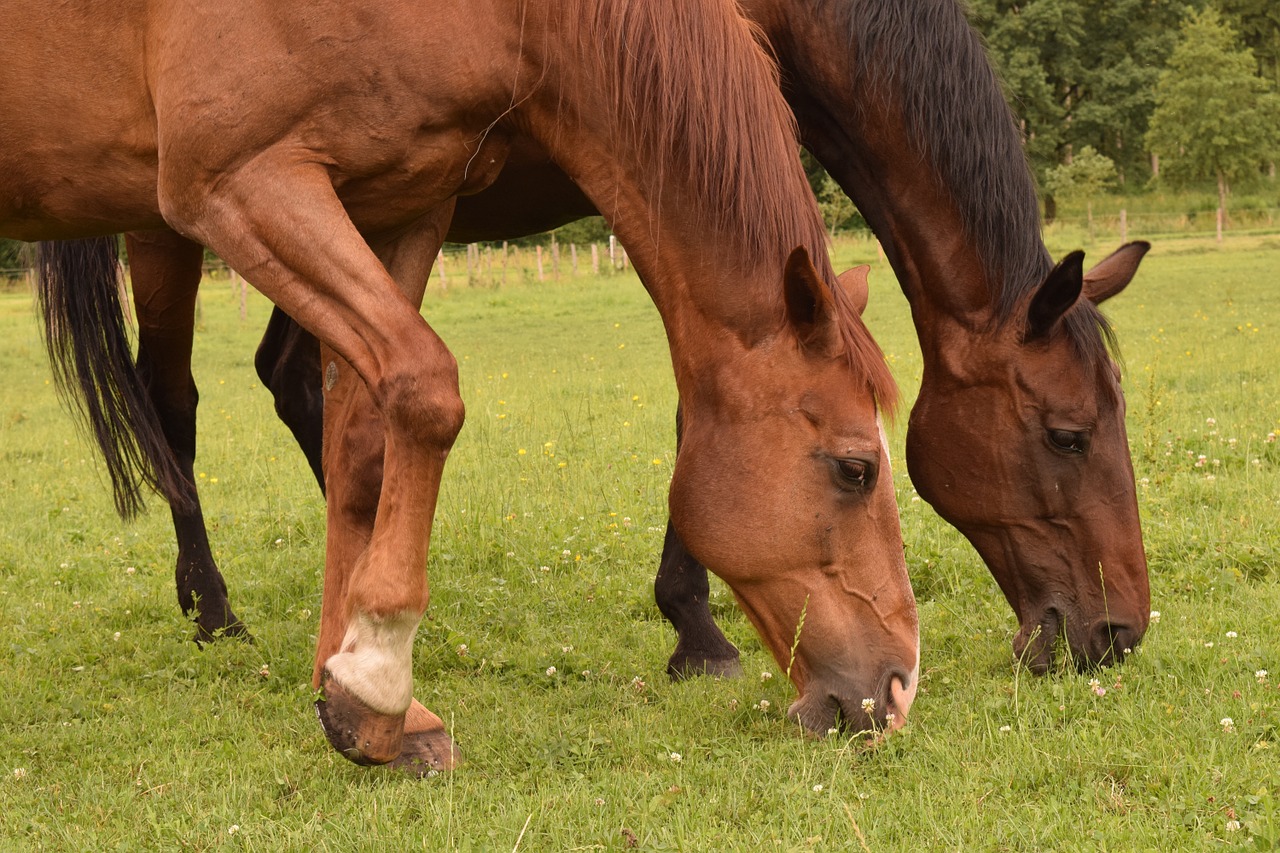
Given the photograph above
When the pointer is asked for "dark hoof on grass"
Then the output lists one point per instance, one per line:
(361, 734)
(234, 630)
(427, 748)
(683, 667)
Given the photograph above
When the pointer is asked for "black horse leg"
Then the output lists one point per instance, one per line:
(288, 363)
(681, 590)
(166, 277)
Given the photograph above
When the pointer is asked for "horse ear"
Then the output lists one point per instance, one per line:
(855, 286)
(1055, 296)
(809, 302)
(1114, 272)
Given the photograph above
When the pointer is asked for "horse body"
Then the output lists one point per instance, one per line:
(324, 164)
(97, 114)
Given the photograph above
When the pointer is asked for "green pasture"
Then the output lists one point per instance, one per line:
(543, 649)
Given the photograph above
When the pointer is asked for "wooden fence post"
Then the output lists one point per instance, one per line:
(595, 259)
(1124, 226)
(539, 263)
(444, 282)
(573, 257)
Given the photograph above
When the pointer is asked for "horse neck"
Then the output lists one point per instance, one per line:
(855, 122)
(709, 242)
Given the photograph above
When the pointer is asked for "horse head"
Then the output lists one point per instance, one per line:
(1018, 439)
(782, 488)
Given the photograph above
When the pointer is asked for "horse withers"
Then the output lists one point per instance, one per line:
(270, 162)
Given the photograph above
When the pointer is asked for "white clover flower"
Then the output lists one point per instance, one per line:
(1155, 616)
(1232, 635)
(551, 670)
(766, 675)
(1261, 675)
(1006, 728)
(233, 829)
(869, 705)
(677, 757)
(763, 705)
(817, 789)
(116, 636)
(19, 773)
(1228, 724)
(1232, 826)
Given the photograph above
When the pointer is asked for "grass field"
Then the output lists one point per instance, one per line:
(545, 653)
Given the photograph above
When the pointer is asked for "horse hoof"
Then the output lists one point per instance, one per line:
(692, 667)
(355, 730)
(235, 631)
(427, 748)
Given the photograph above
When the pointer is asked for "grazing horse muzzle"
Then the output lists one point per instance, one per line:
(880, 710)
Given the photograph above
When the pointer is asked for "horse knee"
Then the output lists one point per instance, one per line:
(426, 402)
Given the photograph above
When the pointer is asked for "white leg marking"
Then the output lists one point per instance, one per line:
(376, 661)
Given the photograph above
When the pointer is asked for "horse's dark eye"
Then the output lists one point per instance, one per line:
(1069, 441)
(853, 474)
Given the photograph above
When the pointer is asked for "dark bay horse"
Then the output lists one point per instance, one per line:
(324, 164)
(1017, 437)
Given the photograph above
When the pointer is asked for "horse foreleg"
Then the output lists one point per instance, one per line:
(353, 455)
(289, 362)
(166, 276)
(682, 590)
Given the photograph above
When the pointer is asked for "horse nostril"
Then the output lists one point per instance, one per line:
(1112, 642)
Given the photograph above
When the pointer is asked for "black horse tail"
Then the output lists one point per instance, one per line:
(94, 370)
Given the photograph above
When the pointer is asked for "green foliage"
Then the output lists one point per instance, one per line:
(1214, 117)
(1258, 23)
(1081, 72)
(592, 229)
(1088, 174)
(12, 254)
(837, 208)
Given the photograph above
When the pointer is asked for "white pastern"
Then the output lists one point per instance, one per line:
(376, 661)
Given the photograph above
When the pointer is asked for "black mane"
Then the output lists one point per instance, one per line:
(935, 66)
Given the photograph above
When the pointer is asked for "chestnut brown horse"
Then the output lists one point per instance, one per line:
(324, 164)
(1017, 436)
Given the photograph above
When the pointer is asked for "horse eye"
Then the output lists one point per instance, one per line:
(1069, 441)
(853, 474)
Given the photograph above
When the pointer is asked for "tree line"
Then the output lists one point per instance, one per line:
(1130, 93)
(1176, 92)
